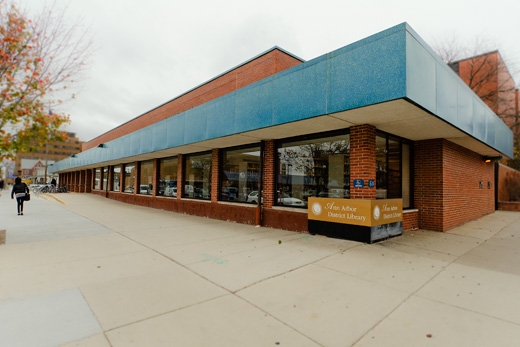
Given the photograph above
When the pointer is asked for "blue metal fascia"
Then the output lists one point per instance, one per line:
(393, 64)
(434, 86)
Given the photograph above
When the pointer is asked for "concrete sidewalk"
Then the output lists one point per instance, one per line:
(96, 272)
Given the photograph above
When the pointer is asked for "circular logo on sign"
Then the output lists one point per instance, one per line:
(316, 208)
(377, 213)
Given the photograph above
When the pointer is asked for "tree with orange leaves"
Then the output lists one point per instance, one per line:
(38, 60)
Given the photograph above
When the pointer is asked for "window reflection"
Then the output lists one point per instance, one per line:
(146, 177)
(240, 174)
(168, 177)
(197, 183)
(393, 169)
(97, 178)
(116, 178)
(315, 167)
(105, 178)
(129, 174)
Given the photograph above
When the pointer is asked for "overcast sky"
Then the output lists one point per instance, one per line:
(148, 52)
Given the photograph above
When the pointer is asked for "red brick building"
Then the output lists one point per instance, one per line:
(488, 76)
(382, 118)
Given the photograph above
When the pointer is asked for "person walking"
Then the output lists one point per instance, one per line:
(19, 189)
(53, 185)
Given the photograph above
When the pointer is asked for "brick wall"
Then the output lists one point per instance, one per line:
(428, 192)
(410, 219)
(269, 174)
(215, 172)
(180, 176)
(505, 172)
(264, 66)
(464, 197)
(362, 160)
(83, 181)
(155, 177)
(447, 185)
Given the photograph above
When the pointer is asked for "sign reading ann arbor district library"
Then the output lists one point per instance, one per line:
(358, 220)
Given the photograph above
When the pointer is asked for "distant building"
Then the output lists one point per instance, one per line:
(32, 164)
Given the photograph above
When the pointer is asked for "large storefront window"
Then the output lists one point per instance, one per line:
(318, 167)
(197, 183)
(146, 177)
(97, 179)
(116, 178)
(168, 176)
(129, 174)
(240, 174)
(393, 169)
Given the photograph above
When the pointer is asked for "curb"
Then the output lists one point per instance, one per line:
(54, 197)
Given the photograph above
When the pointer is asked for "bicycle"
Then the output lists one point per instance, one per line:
(44, 189)
(62, 189)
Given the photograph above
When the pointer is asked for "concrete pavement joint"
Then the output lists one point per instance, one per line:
(443, 268)
(165, 313)
(297, 268)
(278, 320)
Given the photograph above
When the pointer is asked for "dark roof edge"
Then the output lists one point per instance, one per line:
(204, 83)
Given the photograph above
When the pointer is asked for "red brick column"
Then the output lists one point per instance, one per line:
(137, 177)
(101, 183)
(428, 178)
(110, 180)
(155, 177)
(269, 174)
(362, 160)
(215, 165)
(88, 181)
(82, 175)
(180, 176)
(76, 181)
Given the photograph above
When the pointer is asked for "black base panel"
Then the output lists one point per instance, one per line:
(350, 232)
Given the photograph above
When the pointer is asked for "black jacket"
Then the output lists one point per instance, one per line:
(19, 188)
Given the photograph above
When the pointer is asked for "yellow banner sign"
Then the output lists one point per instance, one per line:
(357, 212)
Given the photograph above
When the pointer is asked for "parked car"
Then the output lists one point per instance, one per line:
(145, 189)
(229, 193)
(252, 197)
(285, 199)
(201, 193)
(329, 195)
(170, 191)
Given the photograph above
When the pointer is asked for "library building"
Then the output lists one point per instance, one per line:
(361, 143)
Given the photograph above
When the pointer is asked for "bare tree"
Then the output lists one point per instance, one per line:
(65, 46)
(487, 74)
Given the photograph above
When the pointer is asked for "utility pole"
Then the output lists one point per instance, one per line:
(46, 157)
